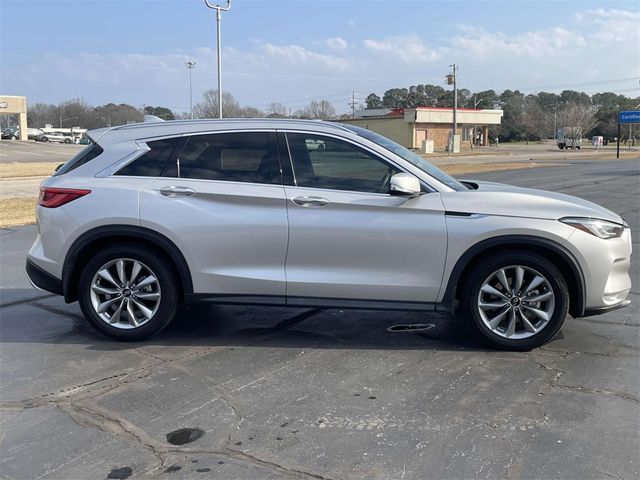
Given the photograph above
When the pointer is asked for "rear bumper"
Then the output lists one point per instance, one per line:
(43, 280)
(599, 311)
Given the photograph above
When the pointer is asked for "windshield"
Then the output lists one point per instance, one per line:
(411, 157)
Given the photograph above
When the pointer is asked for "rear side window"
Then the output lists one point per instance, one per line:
(151, 163)
(85, 155)
(250, 157)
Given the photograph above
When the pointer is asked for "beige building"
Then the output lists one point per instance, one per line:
(410, 126)
(12, 105)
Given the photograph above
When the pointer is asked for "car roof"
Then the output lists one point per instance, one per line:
(144, 130)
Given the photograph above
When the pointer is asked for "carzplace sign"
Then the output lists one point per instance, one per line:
(629, 116)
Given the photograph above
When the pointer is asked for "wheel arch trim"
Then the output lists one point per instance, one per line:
(70, 272)
(577, 306)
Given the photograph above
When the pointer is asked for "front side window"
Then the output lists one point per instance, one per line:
(250, 157)
(325, 162)
(411, 157)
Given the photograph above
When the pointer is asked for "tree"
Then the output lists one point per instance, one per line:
(511, 102)
(373, 101)
(533, 119)
(277, 110)
(160, 112)
(250, 112)
(578, 120)
(208, 107)
(111, 114)
(395, 98)
(319, 110)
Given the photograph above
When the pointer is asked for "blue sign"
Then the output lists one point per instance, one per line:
(630, 116)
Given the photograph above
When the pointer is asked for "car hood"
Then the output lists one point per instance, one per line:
(501, 199)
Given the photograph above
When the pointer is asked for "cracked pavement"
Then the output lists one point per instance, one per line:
(320, 394)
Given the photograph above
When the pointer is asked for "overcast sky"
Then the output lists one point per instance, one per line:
(295, 51)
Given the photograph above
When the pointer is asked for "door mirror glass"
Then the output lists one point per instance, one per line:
(404, 184)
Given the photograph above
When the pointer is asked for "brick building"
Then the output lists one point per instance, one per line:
(410, 126)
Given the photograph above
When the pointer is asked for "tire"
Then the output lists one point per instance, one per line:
(552, 295)
(66, 140)
(151, 313)
(13, 138)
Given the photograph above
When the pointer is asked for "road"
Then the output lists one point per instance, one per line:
(312, 393)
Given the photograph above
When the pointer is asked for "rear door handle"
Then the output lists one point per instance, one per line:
(177, 191)
(316, 202)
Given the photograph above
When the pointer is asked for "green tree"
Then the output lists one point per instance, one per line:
(160, 112)
(395, 98)
(373, 101)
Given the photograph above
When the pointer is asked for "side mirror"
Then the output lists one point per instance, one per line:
(405, 185)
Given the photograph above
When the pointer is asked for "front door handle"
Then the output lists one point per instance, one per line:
(305, 201)
(177, 191)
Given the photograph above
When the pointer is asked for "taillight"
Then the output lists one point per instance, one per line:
(55, 197)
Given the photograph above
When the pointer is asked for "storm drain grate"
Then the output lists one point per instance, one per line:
(411, 327)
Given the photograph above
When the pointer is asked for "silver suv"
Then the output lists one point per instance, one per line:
(253, 212)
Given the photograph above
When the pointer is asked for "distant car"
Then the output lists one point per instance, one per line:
(54, 137)
(10, 133)
(13, 133)
(32, 133)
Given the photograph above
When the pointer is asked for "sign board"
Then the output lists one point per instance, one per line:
(629, 116)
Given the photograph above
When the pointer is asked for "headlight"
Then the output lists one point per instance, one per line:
(596, 227)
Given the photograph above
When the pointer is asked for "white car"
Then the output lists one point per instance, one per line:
(251, 212)
(58, 137)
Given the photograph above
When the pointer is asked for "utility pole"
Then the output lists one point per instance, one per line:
(190, 66)
(353, 104)
(475, 106)
(451, 80)
(219, 11)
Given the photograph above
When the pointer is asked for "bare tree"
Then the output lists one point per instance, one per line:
(577, 120)
(208, 107)
(277, 110)
(319, 110)
(533, 121)
(251, 112)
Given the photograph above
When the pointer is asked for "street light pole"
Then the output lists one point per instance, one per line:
(451, 80)
(219, 11)
(190, 66)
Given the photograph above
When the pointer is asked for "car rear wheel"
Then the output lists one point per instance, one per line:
(67, 140)
(516, 300)
(128, 293)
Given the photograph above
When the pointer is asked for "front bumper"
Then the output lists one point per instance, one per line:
(43, 280)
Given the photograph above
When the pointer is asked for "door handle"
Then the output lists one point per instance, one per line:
(314, 202)
(176, 191)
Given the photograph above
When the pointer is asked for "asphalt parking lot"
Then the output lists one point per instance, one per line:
(31, 151)
(248, 392)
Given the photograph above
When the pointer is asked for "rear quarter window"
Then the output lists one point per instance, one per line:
(151, 163)
(85, 155)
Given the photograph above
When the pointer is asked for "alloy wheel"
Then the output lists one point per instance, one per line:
(516, 302)
(125, 293)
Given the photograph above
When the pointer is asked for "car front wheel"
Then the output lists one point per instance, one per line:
(516, 300)
(128, 292)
